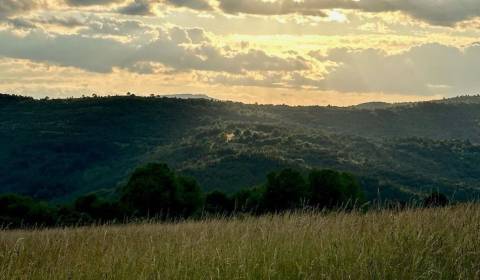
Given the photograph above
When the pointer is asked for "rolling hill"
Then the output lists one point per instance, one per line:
(57, 149)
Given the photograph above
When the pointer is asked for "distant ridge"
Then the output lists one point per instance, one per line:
(464, 99)
(188, 96)
(373, 105)
(55, 149)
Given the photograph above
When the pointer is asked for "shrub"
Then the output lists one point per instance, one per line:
(436, 199)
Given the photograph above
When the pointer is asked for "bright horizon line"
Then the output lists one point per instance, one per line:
(209, 97)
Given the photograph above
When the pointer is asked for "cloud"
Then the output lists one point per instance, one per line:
(202, 5)
(138, 8)
(176, 52)
(437, 12)
(91, 2)
(280, 7)
(13, 7)
(65, 21)
(20, 23)
(197, 35)
(92, 54)
(110, 26)
(426, 69)
(173, 48)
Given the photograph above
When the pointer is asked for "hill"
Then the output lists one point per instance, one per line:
(412, 244)
(373, 106)
(57, 149)
(188, 96)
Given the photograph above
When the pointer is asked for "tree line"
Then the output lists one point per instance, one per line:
(156, 191)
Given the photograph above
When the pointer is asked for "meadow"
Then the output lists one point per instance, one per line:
(436, 243)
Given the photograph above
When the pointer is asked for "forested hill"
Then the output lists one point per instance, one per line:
(56, 149)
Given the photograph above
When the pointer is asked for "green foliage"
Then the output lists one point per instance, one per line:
(218, 202)
(16, 211)
(58, 149)
(191, 196)
(152, 191)
(285, 190)
(156, 191)
(97, 208)
(330, 189)
(436, 199)
(249, 200)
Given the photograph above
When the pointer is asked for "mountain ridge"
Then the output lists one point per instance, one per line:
(59, 148)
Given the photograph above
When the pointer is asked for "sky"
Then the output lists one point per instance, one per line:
(296, 52)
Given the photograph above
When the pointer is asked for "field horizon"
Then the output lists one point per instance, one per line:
(433, 243)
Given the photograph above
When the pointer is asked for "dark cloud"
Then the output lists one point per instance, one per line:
(144, 7)
(19, 23)
(13, 7)
(438, 12)
(91, 2)
(259, 7)
(202, 5)
(137, 8)
(65, 21)
(197, 35)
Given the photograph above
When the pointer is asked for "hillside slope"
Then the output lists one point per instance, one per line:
(55, 149)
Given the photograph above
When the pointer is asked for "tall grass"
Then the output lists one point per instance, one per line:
(412, 244)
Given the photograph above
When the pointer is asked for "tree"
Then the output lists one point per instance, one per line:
(21, 211)
(97, 208)
(436, 199)
(152, 190)
(218, 202)
(191, 196)
(329, 189)
(248, 200)
(284, 190)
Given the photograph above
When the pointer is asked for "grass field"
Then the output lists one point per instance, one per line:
(412, 244)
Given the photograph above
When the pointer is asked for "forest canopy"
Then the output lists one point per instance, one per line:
(154, 191)
(56, 150)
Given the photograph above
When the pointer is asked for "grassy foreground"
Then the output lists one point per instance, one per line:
(412, 244)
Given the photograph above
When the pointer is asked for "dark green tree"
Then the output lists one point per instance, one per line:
(98, 208)
(22, 211)
(248, 200)
(330, 188)
(436, 199)
(191, 196)
(218, 202)
(284, 190)
(152, 191)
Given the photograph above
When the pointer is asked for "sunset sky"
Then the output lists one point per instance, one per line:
(338, 52)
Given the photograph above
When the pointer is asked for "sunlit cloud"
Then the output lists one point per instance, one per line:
(277, 51)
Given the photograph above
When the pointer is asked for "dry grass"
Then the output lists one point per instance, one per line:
(413, 244)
